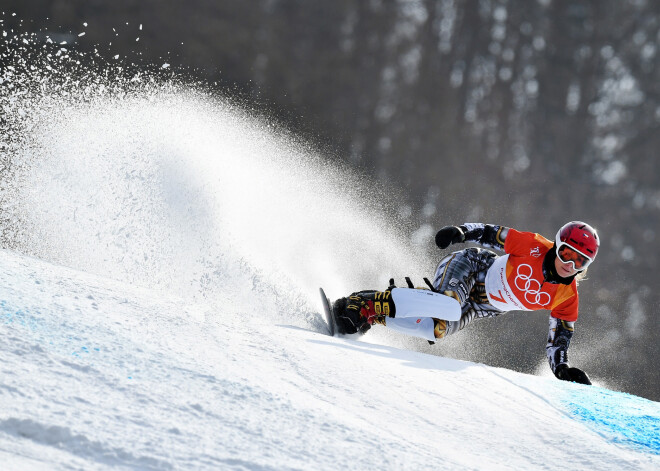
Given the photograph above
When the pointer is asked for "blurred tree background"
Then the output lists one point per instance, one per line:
(522, 113)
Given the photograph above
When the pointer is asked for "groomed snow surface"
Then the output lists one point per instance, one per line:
(97, 375)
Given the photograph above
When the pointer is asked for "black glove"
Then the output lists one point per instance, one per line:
(576, 375)
(449, 235)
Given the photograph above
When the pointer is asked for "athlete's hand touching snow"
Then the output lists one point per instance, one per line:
(569, 373)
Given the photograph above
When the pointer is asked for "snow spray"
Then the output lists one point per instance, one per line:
(166, 184)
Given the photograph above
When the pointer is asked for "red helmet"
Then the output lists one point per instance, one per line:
(577, 242)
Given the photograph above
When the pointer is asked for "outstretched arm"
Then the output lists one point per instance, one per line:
(559, 338)
(486, 235)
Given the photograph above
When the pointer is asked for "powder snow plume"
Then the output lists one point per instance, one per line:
(165, 184)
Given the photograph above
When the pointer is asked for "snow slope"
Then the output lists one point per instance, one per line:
(161, 309)
(97, 374)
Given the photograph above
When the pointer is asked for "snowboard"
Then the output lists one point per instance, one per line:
(425, 303)
(329, 316)
(409, 303)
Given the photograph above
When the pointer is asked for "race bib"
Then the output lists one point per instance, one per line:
(516, 287)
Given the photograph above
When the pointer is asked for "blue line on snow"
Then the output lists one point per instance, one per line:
(628, 420)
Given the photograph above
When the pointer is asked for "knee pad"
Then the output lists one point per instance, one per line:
(457, 273)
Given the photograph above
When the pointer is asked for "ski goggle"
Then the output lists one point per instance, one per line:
(568, 254)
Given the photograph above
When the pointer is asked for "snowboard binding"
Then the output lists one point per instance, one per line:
(358, 312)
(362, 309)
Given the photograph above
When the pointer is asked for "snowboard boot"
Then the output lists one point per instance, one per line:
(361, 310)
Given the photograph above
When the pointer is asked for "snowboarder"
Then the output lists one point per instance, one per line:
(533, 274)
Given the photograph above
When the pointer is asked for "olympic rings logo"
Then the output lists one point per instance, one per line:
(531, 287)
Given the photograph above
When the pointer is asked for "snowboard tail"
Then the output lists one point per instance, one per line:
(329, 315)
